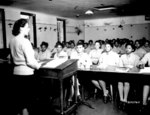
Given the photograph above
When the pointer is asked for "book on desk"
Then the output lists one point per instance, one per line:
(58, 68)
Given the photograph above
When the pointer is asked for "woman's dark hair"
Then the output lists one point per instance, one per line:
(45, 44)
(72, 42)
(110, 43)
(18, 24)
(80, 43)
(98, 41)
(59, 43)
(132, 45)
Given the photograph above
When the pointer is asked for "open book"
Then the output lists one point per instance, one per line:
(122, 69)
(54, 63)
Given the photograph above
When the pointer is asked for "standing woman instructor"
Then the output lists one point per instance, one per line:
(25, 63)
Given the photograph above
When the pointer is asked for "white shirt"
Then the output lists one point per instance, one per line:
(44, 55)
(23, 56)
(146, 59)
(84, 60)
(95, 55)
(61, 55)
(140, 52)
(130, 60)
(109, 59)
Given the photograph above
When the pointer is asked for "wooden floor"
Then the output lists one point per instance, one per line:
(99, 109)
(109, 109)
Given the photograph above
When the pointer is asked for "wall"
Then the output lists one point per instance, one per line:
(133, 27)
(71, 32)
(48, 31)
(43, 21)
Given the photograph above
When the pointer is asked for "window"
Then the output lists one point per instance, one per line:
(32, 24)
(61, 29)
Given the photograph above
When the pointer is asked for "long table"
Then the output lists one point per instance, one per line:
(112, 76)
(131, 75)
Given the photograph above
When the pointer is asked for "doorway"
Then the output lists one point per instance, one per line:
(61, 30)
(32, 24)
(2, 29)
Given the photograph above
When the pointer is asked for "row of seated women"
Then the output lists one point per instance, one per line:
(105, 55)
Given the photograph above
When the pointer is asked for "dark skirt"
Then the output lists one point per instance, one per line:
(24, 92)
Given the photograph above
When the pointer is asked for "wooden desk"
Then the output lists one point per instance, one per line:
(65, 70)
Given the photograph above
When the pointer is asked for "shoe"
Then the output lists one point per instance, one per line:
(120, 105)
(124, 105)
(79, 98)
(109, 97)
(142, 108)
(105, 99)
(69, 103)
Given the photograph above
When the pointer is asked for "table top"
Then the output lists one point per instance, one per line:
(115, 69)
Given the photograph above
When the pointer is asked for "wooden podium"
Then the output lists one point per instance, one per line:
(65, 70)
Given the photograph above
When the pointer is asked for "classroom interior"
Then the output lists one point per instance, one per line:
(66, 20)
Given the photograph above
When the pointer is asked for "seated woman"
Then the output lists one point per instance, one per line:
(139, 49)
(60, 53)
(71, 48)
(44, 52)
(95, 55)
(129, 60)
(84, 62)
(108, 60)
(145, 61)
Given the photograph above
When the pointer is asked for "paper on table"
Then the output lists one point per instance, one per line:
(145, 70)
(54, 63)
(122, 69)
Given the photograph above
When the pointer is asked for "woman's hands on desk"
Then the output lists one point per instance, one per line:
(43, 63)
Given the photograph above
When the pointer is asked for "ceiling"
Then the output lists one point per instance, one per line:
(76, 8)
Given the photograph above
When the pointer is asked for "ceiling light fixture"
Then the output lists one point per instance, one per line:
(109, 8)
(89, 12)
(105, 8)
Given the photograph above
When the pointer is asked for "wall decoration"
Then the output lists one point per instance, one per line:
(10, 24)
(55, 29)
(78, 30)
(40, 28)
(45, 28)
(122, 22)
(120, 26)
